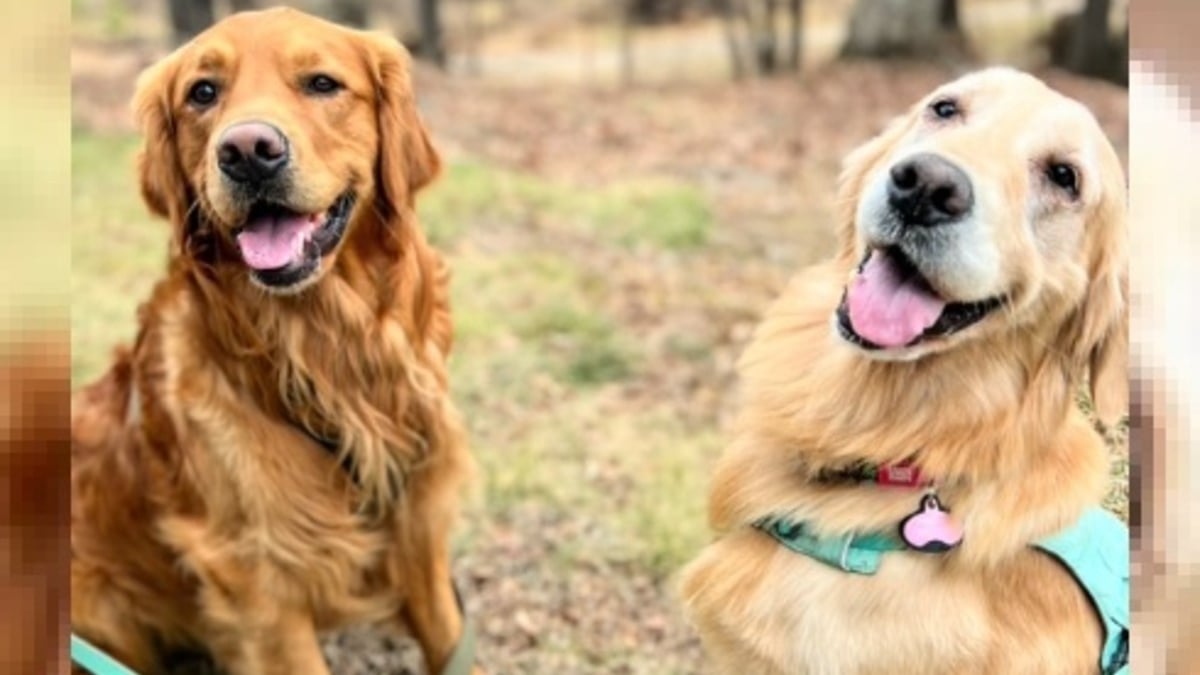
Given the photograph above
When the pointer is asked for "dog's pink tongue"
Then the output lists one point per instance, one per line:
(886, 307)
(271, 242)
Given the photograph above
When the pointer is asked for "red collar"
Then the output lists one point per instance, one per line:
(902, 474)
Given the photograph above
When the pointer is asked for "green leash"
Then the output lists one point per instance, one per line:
(91, 657)
(462, 659)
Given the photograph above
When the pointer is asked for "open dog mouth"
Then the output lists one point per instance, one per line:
(283, 247)
(889, 305)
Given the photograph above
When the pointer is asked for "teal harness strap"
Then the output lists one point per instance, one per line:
(1095, 550)
(87, 655)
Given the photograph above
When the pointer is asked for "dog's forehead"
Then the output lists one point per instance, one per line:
(281, 37)
(1064, 128)
(996, 89)
(1037, 119)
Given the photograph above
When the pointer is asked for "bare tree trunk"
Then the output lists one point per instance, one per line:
(729, 24)
(796, 45)
(188, 18)
(1090, 41)
(656, 11)
(474, 37)
(629, 14)
(949, 15)
(353, 13)
(431, 33)
(765, 38)
(904, 28)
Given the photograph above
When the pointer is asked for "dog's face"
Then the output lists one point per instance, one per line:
(994, 204)
(279, 130)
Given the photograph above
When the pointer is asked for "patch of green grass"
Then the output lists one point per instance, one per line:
(658, 213)
(690, 346)
(667, 523)
(600, 363)
(594, 354)
(118, 250)
(105, 19)
(548, 307)
(116, 19)
(663, 215)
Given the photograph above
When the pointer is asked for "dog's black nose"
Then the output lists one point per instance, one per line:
(252, 152)
(928, 190)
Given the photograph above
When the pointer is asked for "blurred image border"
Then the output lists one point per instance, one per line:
(35, 136)
(1164, 100)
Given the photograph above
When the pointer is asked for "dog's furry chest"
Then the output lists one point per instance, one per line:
(275, 501)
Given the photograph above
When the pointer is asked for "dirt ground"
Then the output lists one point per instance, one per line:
(763, 153)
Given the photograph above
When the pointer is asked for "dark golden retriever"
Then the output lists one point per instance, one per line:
(980, 279)
(277, 454)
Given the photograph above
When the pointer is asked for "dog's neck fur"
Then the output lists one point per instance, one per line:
(987, 422)
(373, 320)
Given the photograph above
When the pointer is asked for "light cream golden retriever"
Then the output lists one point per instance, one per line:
(980, 279)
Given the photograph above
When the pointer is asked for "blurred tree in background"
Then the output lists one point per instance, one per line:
(761, 37)
(904, 28)
(1085, 43)
(752, 34)
(353, 13)
(190, 17)
(431, 45)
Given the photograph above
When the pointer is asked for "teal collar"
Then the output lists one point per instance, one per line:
(857, 553)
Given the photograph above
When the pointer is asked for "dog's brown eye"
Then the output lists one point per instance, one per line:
(322, 85)
(944, 108)
(202, 94)
(1064, 176)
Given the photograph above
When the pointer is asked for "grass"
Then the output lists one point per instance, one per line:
(656, 214)
(541, 356)
(117, 250)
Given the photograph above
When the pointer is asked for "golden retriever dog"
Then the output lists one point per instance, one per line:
(980, 280)
(277, 455)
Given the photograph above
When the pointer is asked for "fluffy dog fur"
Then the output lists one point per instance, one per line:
(205, 515)
(989, 413)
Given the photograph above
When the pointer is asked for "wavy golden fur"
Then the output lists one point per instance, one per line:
(988, 413)
(205, 514)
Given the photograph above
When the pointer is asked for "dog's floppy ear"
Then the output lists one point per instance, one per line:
(163, 186)
(407, 159)
(1099, 330)
(856, 168)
